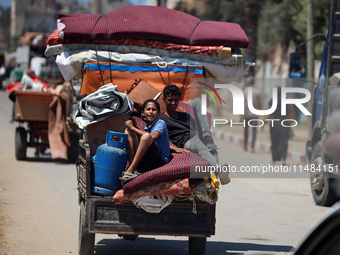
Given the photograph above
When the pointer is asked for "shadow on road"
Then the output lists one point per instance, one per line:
(152, 246)
(45, 159)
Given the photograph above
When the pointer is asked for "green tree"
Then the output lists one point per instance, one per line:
(298, 13)
(250, 11)
(275, 27)
(268, 23)
(5, 21)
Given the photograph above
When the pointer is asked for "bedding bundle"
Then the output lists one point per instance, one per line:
(149, 41)
(155, 44)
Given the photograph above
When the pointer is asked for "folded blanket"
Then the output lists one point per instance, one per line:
(72, 62)
(172, 187)
(99, 105)
(57, 131)
(235, 58)
(54, 39)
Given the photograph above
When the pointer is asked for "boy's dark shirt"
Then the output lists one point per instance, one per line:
(181, 129)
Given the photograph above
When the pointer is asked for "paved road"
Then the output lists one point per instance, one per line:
(39, 210)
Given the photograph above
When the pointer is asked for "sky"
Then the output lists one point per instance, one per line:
(6, 3)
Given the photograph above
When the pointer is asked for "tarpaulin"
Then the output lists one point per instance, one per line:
(124, 76)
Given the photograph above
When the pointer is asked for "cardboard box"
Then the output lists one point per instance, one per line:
(144, 91)
(96, 132)
(32, 105)
(335, 79)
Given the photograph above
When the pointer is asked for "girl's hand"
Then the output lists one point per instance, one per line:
(129, 124)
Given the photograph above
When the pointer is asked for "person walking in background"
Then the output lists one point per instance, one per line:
(279, 135)
(43, 72)
(18, 73)
(248, 115)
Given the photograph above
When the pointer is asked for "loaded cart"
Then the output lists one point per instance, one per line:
(31, 108)
(32, 114)
(102, 214)
(123, 58)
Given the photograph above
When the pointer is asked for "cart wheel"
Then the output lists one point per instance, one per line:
(73, 150)
(197, 245)
(20, 143)
(85, 240)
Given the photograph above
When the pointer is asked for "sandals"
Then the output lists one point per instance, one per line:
(128, 177)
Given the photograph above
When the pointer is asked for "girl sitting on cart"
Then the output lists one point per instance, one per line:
(152, 150)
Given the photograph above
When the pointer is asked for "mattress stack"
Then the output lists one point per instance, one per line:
(160, 45)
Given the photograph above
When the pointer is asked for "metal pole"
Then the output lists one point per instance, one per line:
(310, 53)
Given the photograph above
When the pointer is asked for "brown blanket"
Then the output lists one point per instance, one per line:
(57, 131)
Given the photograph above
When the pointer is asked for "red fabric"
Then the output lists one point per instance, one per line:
(54, 39)
(14, 86)
(220, 33)
(180, 166)
(151, 23)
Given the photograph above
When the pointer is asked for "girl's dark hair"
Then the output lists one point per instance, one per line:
(171, 90)
(151, 101)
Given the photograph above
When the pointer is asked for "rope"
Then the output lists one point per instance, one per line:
(187, 69)
(159, 71)
(187, 197)
(94, 44)
(108, 45)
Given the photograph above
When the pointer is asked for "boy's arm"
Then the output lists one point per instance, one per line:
(178, 150)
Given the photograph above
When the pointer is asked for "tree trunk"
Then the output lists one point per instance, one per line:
(252, 12)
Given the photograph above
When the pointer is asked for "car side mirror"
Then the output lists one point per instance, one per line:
(296, 65)
(324, 239)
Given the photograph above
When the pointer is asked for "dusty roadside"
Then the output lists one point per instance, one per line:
(38, 199)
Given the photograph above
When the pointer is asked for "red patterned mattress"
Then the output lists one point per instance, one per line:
(150, 23)
(181, 166)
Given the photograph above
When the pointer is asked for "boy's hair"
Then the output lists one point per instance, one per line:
(151, 101)
(171, 90)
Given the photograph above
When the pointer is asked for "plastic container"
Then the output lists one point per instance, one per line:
(110, 162)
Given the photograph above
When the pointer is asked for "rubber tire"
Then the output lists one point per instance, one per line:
(73, 150)
(20, 143)
(197, 245)
(326, 197)
(85, 240)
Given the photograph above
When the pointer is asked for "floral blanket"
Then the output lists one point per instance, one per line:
(173, 187)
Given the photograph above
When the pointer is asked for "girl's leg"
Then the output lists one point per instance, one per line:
(132, 144)
(144, 143)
